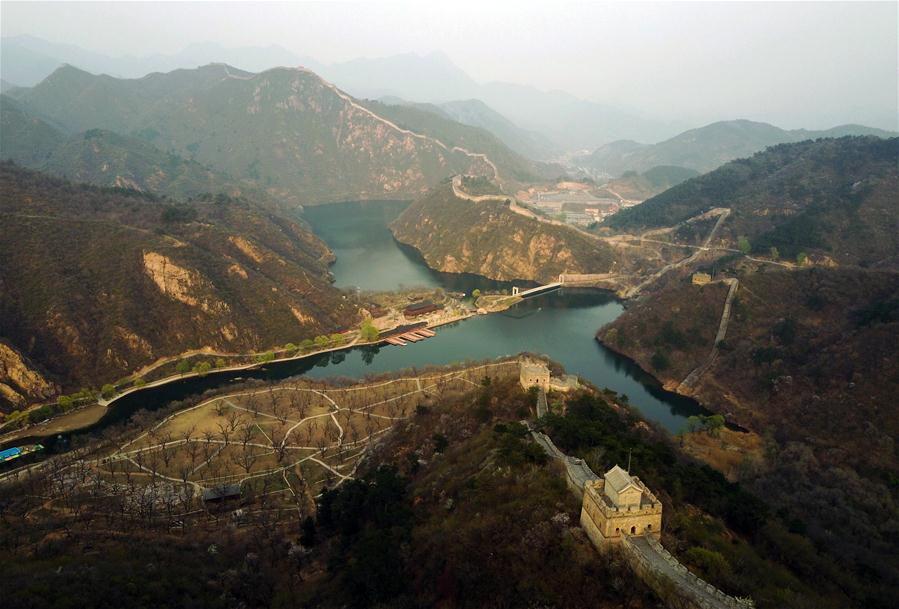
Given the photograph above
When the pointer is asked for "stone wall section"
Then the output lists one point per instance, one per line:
(671, 580)
(655, 565)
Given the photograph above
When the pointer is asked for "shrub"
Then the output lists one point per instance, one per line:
(441, 443)
(369, 332)
(203, 368)
(659, 361)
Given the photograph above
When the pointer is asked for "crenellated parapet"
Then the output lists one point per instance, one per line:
(620, 512)
(656, 565)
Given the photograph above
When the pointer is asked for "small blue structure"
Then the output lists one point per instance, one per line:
(9, 454)
(19, 451)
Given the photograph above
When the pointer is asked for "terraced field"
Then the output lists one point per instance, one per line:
(284, 443)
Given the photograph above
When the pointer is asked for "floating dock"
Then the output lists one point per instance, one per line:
(410, 333)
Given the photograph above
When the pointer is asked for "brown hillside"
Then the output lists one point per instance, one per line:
(98, 282)
(811, 362)
(486, 238)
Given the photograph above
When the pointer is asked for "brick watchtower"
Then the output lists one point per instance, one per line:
(619, 504)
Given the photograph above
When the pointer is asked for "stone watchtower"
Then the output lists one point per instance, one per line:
(619, 504)
(534, 373)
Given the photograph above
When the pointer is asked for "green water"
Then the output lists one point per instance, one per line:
(368, 257)
(559, 324)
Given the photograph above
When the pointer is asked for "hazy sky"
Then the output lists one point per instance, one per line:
(808, 64)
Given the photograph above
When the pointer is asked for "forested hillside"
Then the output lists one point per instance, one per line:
(809, 363)
(638, 186)
(105, 158)
(285, 129)
(835, 197)
(706, 148)
(422, 119)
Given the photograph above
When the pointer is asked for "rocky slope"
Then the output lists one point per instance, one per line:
(287, 129)
(98, 282)
(486, 238)
(20, 381)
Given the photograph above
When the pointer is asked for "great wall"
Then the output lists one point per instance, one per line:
(620, 514)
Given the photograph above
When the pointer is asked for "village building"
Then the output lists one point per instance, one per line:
(619, 504)
(421, 308)
(221, 493)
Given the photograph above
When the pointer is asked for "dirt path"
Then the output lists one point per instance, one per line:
(722, 215)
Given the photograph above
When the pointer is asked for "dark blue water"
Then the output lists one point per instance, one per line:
(560, 325)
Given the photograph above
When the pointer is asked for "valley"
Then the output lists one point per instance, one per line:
(617, 330)
(559, 324)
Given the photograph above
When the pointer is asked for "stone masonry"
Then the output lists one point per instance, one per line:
(619, 513)
(619, 504)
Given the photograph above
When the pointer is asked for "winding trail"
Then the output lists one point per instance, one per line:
(722, 215)
(423, 384)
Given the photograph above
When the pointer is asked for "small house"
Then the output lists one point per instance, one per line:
(421, 308)
(221, 493)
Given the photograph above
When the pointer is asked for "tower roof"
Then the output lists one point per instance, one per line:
(619, 479)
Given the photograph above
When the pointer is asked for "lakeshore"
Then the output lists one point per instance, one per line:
(561, 325)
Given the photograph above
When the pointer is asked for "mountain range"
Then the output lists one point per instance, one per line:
(571, 123)
(475, 113)
(286, 129)
(535, 123)
(705, 148)
(833, 197)
(106, 158)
